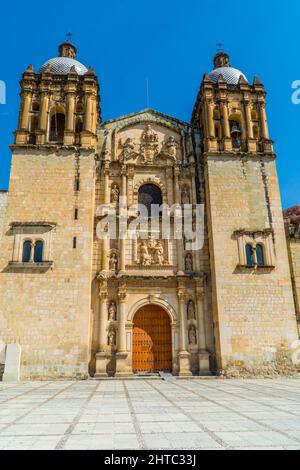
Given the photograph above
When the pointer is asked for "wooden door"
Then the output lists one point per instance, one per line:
(151, 343)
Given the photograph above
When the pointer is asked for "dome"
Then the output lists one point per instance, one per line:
(222, 67)
(63, 65)
(230, 75)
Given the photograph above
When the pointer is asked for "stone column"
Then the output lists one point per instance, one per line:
(122, 368)
(124, 204)
(226, 130)
(210, 117)
(88, 113)
(44, 111)
(225, 127)
(184, 356)
(179, 242)
(248, 120)
(203, 353)
(70, 111)
(263, 120)
(102, 355)
(106, 183)
(193, 182)
(32, 252)
(26, 104)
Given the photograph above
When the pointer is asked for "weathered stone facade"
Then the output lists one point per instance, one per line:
(3, 199)
(292, 221)
(70, 297)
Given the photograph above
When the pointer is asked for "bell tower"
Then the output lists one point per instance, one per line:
(231, 112)
(247, 248)
(60, 103)
(49, 224)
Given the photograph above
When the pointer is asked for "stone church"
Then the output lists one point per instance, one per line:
(80, 305)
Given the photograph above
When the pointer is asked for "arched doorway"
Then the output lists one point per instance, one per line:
(151, 342)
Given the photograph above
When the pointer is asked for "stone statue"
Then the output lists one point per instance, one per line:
(113, 262)
(114, 194)
(192, 335)
(158, 253)
(171, 147)
(145, 258)
(185, 196)
(189, 262)
(128, 149)
(191, 314)
(111, 338)
(112, 311)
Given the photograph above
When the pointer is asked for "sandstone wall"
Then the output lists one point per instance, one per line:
(47, 310)
(254, 314)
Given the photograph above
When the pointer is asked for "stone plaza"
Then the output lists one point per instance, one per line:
(208, 413)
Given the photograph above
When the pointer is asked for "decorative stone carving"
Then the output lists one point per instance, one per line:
(151, 252)
(170, 148)
(185, 196)
(113, 262)
(112, 311)
(192, 335)
(111, 338)
(189, 262)
(128, 149)
(149, 145)
(158, 253)
(114, 194)
(145, 257)
(191, 313)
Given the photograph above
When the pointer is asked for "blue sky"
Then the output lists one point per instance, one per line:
(173, 43)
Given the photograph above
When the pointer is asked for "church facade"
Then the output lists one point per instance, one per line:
(81, 302)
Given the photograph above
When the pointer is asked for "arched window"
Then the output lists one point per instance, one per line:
(57, 127)
(260, 255)
(26, 251)
(249, 255)
(38, 251)
(150, 194)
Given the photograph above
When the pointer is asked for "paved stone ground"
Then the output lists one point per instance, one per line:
(151, 414)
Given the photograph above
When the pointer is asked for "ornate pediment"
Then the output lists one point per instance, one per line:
(148, 147)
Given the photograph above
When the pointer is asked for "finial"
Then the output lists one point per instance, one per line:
(29, 69)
